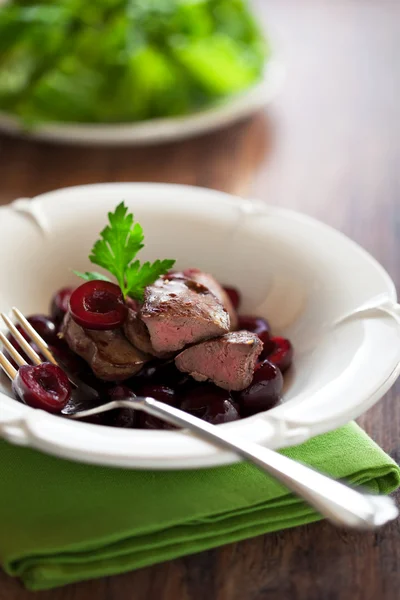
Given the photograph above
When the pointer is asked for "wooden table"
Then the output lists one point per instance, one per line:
(329, 146)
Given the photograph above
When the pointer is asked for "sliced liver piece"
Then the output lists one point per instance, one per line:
(180, 311)
(212, 284)
(138, 334)
(110, 355)
(229, 361)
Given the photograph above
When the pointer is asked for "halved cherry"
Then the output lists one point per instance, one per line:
(279, 351)
(98, 305)
(44, 386)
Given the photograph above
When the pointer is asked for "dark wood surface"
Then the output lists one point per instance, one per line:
(329, 146)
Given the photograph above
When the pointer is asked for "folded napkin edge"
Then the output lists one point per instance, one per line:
(16, 565)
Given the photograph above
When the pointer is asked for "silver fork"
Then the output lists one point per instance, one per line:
(336, 501)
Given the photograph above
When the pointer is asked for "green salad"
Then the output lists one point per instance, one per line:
(110, 61)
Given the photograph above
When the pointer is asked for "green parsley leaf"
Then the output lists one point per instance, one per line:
(138, 276)
(120, 242)
(91, 276)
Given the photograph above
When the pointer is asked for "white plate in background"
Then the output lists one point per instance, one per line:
(154, 131)
(299, 273)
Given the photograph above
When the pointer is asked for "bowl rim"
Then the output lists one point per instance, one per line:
(280, 427)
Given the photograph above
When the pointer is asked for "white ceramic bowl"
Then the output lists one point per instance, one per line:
(325, 293)
(154, 131)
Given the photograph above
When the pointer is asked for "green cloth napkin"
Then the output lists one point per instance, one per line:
(62, 522)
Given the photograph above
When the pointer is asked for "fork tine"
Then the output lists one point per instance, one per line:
(33, 334)
(35, 358)
(7, 367)
(11, 350)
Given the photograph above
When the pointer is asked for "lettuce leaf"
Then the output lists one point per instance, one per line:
(124, 60)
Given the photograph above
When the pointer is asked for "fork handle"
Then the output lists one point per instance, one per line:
(334, 500)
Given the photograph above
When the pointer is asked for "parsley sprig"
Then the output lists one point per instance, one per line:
(116, 251)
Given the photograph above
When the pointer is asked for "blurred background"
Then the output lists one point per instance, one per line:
(325, 141)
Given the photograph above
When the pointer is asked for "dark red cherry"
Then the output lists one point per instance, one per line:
(210, 403)
(122, 417)
(44, 386)
(72, 363)
(163, 394)
(279, 351)
(87, 378)
(256, 325)
(120, 392)
(221, 412)
(234, 296)
(160, 372)
(203, 393)
(45, 327)
(264, 392)
(60, 303)
(148, 373)
(98, 305)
